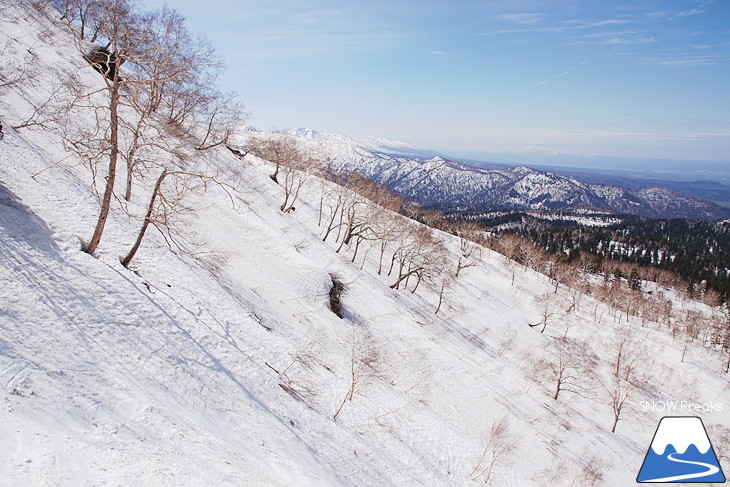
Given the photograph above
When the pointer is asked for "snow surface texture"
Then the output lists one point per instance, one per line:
(223, 365)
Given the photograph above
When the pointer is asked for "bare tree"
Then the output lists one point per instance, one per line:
(591, 471)
(334, 201)
(169, 61)
(147, 220)
(163, 93)
(303, 359)
(161, 207)
(420, 255)
(625, 378)
(569, 365)
(278, 150)
(499, 443)
(52, 111)
(86, 13)
(13, 70)
(470, 254)
(364, 364)
(387, 229)
(222, 114)
(445, 282)
(693, 324)
(547, 304)
(120, 30)
(296, 172)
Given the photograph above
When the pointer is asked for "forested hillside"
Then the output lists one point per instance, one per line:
(696, 250)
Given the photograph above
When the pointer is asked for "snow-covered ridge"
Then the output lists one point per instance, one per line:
(433, 180)
(376, 145)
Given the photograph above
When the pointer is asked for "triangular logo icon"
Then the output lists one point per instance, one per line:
(681, 452)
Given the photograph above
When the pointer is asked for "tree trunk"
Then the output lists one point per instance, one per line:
(392, 262)
(357, 247)
(396, 284)
(130, 165)
(90, 248)
(339, 409)
(418, 282)
(380, 262)
(441, 298)
(148, 217)
(275, 177)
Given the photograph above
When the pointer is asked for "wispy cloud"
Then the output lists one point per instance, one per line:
(658, 14)
(440, 53)
(566, 25)
(519, 31)
(628, 40)
(586, 24)
(696, 10)
(615, 37)
(681, 62)
(558, 75)
(522, 18)
(566, 72)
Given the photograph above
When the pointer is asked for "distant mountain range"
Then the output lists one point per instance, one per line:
(708, 190)
(433, 181)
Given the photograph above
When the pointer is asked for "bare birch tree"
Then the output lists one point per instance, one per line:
(296, 170)
(364, 364)
(500, 442)
(547, 304)
(156, 88)
(120, 30)
(569, 365)
(624, 378)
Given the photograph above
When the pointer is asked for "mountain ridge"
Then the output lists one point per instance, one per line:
(435, 181)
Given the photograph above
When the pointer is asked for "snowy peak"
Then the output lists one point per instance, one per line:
(680, 432)
(397, 148)
(374, 144)
(309, 134)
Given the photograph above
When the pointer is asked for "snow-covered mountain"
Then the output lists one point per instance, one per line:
(338, 143)
(433, 180)
(216, 358)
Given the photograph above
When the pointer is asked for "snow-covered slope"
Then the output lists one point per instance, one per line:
(432, 180)
(220, 363)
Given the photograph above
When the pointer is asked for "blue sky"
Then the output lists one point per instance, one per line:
(644, 79)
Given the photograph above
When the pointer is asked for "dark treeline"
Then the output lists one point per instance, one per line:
(698, 251)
